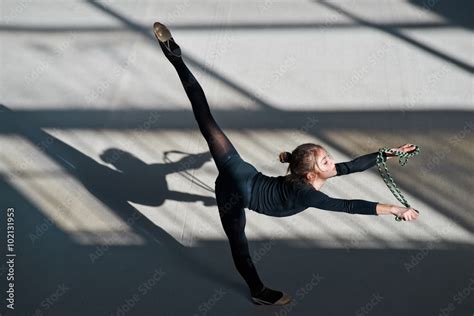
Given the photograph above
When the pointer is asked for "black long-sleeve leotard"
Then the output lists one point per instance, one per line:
(276, 196)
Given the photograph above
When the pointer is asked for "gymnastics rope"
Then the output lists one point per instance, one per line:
(387, 178)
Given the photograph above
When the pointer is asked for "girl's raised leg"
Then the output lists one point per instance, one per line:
(219, 144)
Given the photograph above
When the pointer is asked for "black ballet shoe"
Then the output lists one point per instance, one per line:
(268, 296)
(171, 50)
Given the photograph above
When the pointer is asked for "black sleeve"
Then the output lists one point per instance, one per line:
(315, 198)
(358, 164)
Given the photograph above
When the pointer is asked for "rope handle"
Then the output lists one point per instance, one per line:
(387, 178)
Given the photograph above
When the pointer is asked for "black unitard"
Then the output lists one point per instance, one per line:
(240, 185)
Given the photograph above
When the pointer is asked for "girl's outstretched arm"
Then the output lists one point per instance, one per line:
(318, 199)
(367, 161)
(313, 198)
(358, 164)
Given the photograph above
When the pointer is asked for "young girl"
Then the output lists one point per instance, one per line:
(240, 185)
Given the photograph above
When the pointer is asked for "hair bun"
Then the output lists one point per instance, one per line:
(285, 156)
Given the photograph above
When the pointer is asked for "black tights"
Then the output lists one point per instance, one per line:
(229, 195)
(219, 145)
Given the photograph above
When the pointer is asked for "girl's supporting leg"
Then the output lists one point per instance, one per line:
(233, 220)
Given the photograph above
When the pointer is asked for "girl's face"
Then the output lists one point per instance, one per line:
(325, 163)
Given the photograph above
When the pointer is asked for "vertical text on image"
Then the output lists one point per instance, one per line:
(10, 258)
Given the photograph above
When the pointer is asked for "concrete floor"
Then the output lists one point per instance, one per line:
(112, 183)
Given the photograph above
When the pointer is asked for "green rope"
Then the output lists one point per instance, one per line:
(387, 178)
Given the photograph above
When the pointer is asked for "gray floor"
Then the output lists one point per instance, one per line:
(112, 183)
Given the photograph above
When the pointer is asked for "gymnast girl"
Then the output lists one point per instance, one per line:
(240, 185)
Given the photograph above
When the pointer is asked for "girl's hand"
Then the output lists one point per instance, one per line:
(407, 148)
(407, 214)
